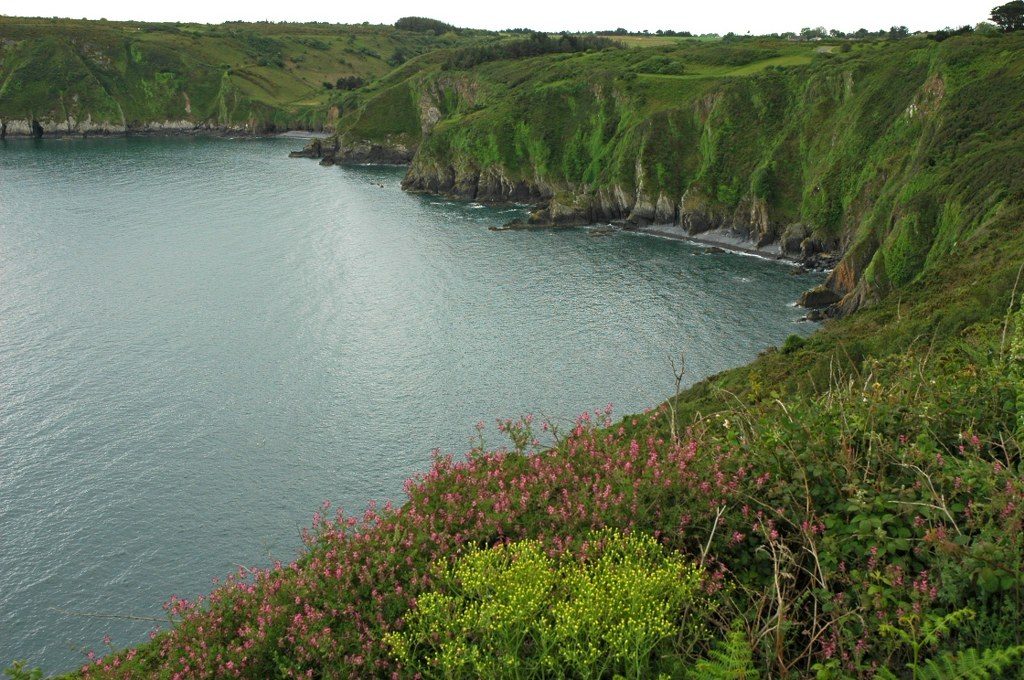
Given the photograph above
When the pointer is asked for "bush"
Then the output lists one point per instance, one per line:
(349, 83)
(536, 45)
(424, 25)
(793, 343)
(946, 33)
(19, 671)
(613, 608)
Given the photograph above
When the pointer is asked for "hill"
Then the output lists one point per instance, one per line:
(884, 157)
(83, 77)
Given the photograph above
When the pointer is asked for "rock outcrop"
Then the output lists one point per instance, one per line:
(490, 185)
(819, 297)
(331, 151)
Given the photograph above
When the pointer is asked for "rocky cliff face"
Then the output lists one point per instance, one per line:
(489, 185)
(333, 151)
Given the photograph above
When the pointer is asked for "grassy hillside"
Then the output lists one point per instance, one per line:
(80, 75)
(893, 153)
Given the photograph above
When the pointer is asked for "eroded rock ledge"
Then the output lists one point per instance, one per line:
(331, 151)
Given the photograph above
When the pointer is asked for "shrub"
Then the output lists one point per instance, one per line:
(423, 25)
(19, 671)
(793, 343)
(611, 608)
(349, 83)
(536, 45)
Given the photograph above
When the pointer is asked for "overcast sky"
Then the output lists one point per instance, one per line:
(705, 16)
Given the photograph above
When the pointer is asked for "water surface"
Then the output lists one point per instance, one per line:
(201, 340)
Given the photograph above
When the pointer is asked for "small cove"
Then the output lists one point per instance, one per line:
(201, 340)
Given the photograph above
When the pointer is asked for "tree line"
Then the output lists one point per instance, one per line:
(534, 45)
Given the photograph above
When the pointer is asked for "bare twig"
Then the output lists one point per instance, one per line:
(677, 373)
(1009, 310)
(707, 546)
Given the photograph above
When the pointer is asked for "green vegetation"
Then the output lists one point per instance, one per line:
(535, 45)
(850, 506)
(84, 76)
(1009, 17)
(892, 152)
(513, 611)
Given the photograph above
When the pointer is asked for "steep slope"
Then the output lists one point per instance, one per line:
(890, 155)
(84, 77)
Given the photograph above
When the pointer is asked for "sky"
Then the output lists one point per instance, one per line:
(705, 16)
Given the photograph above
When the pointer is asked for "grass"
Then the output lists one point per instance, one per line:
(647, 40)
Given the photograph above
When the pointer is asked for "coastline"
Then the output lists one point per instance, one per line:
(722, 239)
(168, 131)
(725, 239)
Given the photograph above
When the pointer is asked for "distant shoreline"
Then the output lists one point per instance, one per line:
(726, 239)
(171, 132)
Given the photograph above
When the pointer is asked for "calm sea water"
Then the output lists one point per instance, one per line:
(201, 340)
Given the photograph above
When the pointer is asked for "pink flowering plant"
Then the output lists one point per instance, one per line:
(805, 526)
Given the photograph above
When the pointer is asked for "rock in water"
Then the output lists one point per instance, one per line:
(819, 297)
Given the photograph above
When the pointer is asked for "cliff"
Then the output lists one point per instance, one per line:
(60, 76)
(886, 158)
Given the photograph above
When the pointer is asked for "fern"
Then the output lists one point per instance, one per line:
(967, 663)
(970, 663)
(730, 659)
(18, 671)
(1016, 359)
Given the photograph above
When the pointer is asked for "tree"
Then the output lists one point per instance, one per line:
(423, 25)
(398, 57)
(349, 83)
(897, 32)
(1009, 17)
(813, 33)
